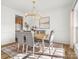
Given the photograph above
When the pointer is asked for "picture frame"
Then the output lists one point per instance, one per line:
(44, 23)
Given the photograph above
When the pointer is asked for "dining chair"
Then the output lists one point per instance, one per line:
(30, 40)
(49, 40)
(40, 40)
(20, 40)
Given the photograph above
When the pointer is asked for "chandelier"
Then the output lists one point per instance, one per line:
(33, 12)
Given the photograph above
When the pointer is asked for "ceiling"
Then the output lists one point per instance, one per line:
(42, 5)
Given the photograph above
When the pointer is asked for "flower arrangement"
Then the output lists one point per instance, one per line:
(26, 25)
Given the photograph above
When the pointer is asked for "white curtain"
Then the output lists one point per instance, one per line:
(74, 27)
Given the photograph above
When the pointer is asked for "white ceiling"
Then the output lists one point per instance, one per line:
(25, 5)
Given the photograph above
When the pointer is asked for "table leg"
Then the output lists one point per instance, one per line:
(43, 45)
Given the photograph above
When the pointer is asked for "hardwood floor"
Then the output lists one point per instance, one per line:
(69, 53)
(4, 55)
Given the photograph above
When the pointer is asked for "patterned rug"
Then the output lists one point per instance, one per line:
(57, 52)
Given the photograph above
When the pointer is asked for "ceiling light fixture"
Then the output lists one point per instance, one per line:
(33, 12)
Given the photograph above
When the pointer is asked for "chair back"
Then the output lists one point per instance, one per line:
(29, 38)
(50, 36)
(20, 37)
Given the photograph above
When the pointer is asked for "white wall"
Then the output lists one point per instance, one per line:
(60, 23)
(8, 24)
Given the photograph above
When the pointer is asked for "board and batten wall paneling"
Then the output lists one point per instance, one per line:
(8, 24)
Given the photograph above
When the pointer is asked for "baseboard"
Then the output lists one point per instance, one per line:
(62, 43)
(7, 44)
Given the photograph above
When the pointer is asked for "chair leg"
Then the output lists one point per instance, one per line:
(23, 48)
(43, 44)
(49, 49)
(26, 48)
(18, 48)
(40, 48)
(33, 50)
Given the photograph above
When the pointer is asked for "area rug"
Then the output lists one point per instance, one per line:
(56, 53)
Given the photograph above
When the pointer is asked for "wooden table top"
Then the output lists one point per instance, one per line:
(40, 36)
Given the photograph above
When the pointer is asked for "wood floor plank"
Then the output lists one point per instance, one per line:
(69, 53)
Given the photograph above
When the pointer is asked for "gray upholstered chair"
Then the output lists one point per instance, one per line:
(20, 39)
(49, 40)
(30, 40)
